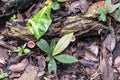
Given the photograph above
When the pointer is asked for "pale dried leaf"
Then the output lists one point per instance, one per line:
(110, 41)
(29, 74)
(117, 63)
(19, 67)
(90, 56)
(94, 48)
(106, 70)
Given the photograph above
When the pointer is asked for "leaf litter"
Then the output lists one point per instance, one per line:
(97, 50)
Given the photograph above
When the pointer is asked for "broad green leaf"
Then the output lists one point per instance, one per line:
(26, 51)
(114, 7)
(66, 58)
(62, 44)
(52, 66)
(108, 4)
(55, 6)
(40, 23)
(62, 0)
(44, 46)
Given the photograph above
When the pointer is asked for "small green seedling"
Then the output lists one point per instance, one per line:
(3, 75)
(53, 51)
(55, 6)
(22, 50)
(14, 17)
(109, 9)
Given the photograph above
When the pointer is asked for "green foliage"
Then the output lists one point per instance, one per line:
(66, 58)
(52, 65)
(55, 49)
(3, 75)
(62, 0)
(55, 6)
(109, 9)
(14, 17)
(22, 50)
(62, 44)
(119, 14)
(44, 46)
(40, 23)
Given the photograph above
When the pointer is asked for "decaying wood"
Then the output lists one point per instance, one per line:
(77, 24)
(20, 32)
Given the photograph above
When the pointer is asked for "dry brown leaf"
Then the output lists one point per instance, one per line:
(19, 67)
(94, 49)
(3, 55)
(117, 63)
(116, 51)
(77, 6)
(29, 74)
(41, 62)
(19, 16)
(106, 70)
(88, 62)
(14, 75)
(92, 9)
(110, 41)
(90, 56)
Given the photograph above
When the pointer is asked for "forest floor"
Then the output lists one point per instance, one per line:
(95, 42)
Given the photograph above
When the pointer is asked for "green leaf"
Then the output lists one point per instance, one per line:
(40, 23)
(102, 14)
(26, 51)
(44, 46)
(119, 14)
(47, 59)
(14, 17)
(108, 4)
(3, 75)
(102, 17)
(52, 66)
(52, 45)
(19, 50)
(66, 58)
(23, 47)
(101, 11)
(62, 44)
(55, 6)
(114, 7)
(62, 0)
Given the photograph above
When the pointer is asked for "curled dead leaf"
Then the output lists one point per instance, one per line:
(92, 9)
(14, 75)
(117, 63)
(19, 67)
(77, 6)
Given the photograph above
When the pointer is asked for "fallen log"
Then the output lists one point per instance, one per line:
(76, 24)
